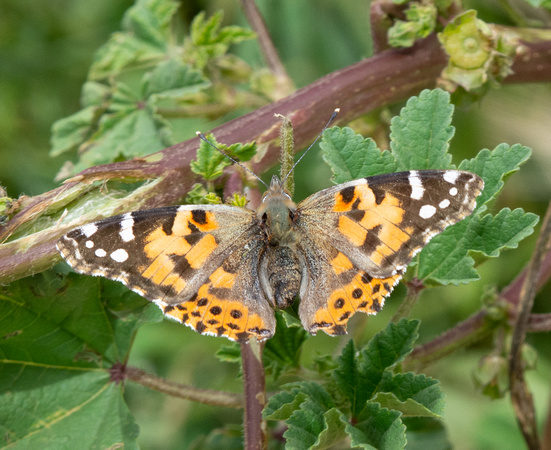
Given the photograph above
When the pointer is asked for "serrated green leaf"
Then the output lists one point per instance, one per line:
(349, 379)
(122, 51)
(334, 431)
(312, 427)
(283, 351)
(52, 408)
(207, 40)
(384, 350)
(420, 135)
(210, 163)
(280, 406)
(378, 428)
(61, 335)
(173, 79)
(408, 407)
(149, 20)
(446, 260)
(350, 156)
(94, 94)
(304, 426)
(491, 234)
(121, 135)
(68, 133)
(411, 394)
(144, 40)
(495, 167)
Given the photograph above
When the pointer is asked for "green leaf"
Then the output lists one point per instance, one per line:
(280, 406)
(283, 351)
(446, 260)
(210, 163)
(378, 428)
(207, 40)
(349, 380)
(68, 133)
(125, 134)
(350, 156)
(316, 423)
(173, 79)
(421, 21)
(144, 40)
(384, 350)
(149, 20)
(495, 167)
(60, 337)
(50, 407)
(333, 432)
(411, 394)
(420, 135)
(491, 234)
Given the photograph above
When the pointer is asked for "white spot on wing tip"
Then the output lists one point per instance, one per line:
(451, 176)
(417, 189)
(127, 224)
(100, 253)
(89, 229)
(444, 204)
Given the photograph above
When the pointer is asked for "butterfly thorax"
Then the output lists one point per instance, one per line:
(277, 215)
(280, 266)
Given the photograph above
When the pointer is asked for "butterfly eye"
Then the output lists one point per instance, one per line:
(292, 215)
(264, 217)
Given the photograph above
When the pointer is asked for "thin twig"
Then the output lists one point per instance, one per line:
(521, 397)
(206, 396)
(264, 40)
(414, 288)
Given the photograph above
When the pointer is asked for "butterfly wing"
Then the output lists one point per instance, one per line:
(369, 230)
(198, 263)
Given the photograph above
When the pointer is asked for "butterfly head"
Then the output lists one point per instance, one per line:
(277, 213)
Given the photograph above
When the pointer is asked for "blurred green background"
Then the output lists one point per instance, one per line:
(46, 49)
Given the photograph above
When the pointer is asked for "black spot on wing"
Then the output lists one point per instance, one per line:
(347, 194)
(378, 192)
(199, 216)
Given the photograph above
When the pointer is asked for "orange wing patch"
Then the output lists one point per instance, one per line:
(375, 222)
(361, 293)
(207, 313)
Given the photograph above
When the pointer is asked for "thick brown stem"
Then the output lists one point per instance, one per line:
(254, 428)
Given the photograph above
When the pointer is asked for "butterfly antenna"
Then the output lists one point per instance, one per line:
(337, 110)
(204, 138)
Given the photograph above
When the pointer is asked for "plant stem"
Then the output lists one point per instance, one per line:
(206, 396)
(521, 397)
(254, 428)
